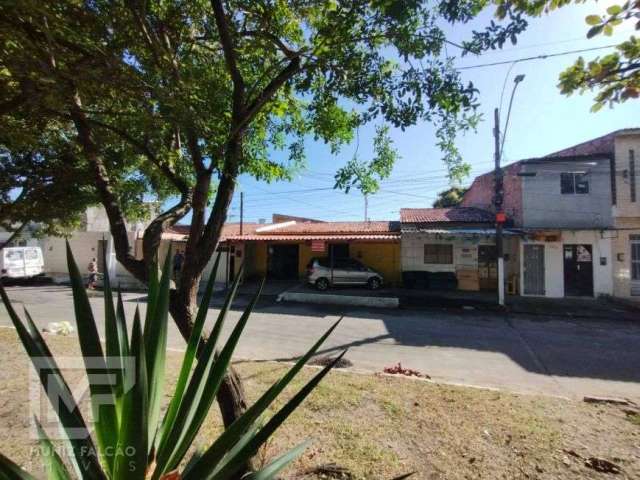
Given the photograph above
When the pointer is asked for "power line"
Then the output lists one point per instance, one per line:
(537, 57)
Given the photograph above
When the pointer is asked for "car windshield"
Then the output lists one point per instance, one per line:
(13, 255)
(31, 254)
(323, 262)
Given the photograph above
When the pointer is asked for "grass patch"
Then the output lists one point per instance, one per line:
(634, 417)
(378, 427)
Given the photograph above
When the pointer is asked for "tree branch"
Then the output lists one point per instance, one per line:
(265, 95)
(105, 190)
(26, 92)
(289, 53)
(143, 147)
(230, 56)
(13, 235)
(153, 232)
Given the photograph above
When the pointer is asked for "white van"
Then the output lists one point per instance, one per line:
(21, 262)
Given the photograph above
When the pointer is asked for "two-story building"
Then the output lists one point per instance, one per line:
(579, 216)
(622, 148)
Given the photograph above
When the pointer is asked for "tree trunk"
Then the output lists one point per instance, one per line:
(183, 305)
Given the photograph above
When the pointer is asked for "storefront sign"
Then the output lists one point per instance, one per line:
(317, 246)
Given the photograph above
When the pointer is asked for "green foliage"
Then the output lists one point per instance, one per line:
(451, 197)
(615, 77)
(155, 83)
(42, 180)
(365, 175)
(132, 441)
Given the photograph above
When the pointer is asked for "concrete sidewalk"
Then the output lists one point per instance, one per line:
(484, 302)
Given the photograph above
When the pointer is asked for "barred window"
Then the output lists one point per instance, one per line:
(574, 183)
(438, 254)
(632, 175)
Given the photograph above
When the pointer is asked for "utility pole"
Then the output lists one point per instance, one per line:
(497, 203)
(499, 187)
(366, 207)
(241, 211)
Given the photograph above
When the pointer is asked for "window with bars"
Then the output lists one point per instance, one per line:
(632, 175)
(574, 183)
(614, 193)
(441, 254)
(635, 257)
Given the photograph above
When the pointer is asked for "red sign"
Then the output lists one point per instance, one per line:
(501, 217)
(317, 245)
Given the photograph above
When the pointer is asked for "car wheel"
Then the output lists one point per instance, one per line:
(322, 284)
(374, 283)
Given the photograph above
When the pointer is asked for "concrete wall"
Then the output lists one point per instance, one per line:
(624, 206)
(554, 261)
(545, 207)
(621, 254)
(481, 193)
(95, 219)
(84, 246)
(465, 251)
(626, 216)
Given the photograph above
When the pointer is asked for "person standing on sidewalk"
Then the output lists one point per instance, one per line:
(93, 274)
(178, 260)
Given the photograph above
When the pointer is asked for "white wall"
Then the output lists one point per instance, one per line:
(465, 251)
(554, 262)
(84, 246)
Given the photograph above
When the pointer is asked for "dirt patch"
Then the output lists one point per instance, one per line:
(377, 427)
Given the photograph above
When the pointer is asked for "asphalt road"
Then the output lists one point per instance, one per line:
(551, 356)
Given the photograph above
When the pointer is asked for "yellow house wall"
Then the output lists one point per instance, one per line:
(260, 258)
(304, 255)
(383, 257)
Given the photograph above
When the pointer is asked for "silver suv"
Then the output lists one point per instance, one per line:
(345, 271)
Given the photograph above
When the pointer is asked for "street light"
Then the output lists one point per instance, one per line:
(498, 197)
(516, 81)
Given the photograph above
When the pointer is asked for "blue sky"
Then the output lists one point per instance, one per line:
(542, 121)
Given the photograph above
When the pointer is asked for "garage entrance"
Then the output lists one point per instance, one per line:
(283, 261)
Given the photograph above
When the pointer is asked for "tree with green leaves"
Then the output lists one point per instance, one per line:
(181, 98)
(451, 197)
(43, 185)
(615, 76)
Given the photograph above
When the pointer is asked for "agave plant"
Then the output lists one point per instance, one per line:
(134, 439)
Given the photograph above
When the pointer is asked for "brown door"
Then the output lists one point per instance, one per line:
(578, 270)
(488, 267)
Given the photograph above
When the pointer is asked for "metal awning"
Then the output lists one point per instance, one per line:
(464, 231)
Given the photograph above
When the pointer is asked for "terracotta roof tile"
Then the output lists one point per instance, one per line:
(337, 227)
(603, 145)
(445, 215)
(250, 231)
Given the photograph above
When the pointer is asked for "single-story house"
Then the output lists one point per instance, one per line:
(446, 248)
(283, 250)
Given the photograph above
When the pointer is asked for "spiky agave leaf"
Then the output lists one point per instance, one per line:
(55, 386)
(155, 342)
(103, 400)
(190, 352)
(132, 451)
(202, 387)
(55, 467)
